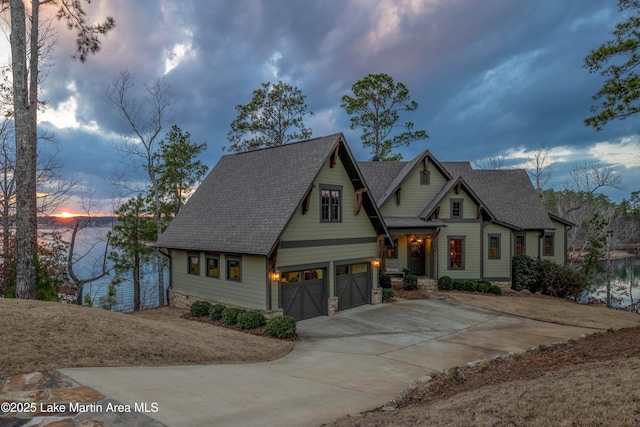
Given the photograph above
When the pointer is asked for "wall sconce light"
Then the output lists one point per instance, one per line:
(375, 263)
(275, 275)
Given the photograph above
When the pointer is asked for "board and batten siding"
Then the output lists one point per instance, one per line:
(497, 268)
(413, 195)
(250, 292)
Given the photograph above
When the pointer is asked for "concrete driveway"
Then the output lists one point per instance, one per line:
(349, 363)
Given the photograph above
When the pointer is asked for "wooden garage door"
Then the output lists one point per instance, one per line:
(303, 294)
(353, 285)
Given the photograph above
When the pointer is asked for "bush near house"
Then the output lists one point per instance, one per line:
(547, 277)
(446, 283)
(410, 281)
(250, 319)
(230, 315)
(215, 312)
(387, 295)
(200, 308)
(281, 327)
(384, 281)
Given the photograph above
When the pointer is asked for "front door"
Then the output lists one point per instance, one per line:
(415, 256)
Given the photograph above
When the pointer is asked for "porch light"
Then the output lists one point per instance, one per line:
(275, 275)
(375, 263)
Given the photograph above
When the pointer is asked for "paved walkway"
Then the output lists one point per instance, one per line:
(349, 363)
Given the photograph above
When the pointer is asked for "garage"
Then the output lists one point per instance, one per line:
(303, 294)
(353, 285)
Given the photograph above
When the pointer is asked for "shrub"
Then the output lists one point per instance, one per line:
(483, 287)
(230, 315)
(470, 286)
(569, 283)
(445, 283)
(524, 272)
(200, 308)
(215, 312)
(250, 319)
(387, 294)
(384, 281)
(410, 282)
(282, 327)
(495, 289)
(458, 285)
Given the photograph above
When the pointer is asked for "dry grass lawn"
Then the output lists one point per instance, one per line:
(38, 335)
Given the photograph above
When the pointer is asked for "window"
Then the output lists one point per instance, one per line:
(392, 252)
(548, 245)
(194, 264)
(330, 204)
(456, 253)
(234, 269)
(520, 248)
(425, 178)
(456, 208)
(213, 266)
(494, 246)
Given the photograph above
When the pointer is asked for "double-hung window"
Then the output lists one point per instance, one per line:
(494, 246)
(213, 266)
(194, 263)
(234, 269)
(330, 203)
(548, 245)
(456, 208)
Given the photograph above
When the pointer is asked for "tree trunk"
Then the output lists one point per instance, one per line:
(26, 227)
(158, 209)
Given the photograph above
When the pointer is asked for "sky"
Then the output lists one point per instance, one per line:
(492, 77)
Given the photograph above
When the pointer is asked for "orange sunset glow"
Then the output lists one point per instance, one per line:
(66, 214)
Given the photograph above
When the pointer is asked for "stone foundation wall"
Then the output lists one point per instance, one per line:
(182, 300)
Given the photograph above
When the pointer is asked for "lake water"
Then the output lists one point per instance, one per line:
(90, 244)
(625, 284)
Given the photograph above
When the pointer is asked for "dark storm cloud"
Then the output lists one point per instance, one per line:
(488, 76)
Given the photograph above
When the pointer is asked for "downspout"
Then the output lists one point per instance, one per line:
(481, 249)
(169, 286)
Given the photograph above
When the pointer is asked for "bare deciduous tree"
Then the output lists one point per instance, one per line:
(146, 119)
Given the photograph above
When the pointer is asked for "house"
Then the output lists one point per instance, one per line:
(447, 219)
(291, 229)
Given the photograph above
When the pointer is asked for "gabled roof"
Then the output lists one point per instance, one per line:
(450, 185)
(380, 173)
(506, 195)
(247, 200)
(510, 196)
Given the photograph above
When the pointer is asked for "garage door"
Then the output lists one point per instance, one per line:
(303, 294)
(353, 285)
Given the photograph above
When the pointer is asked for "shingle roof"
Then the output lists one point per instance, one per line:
(510, 197)
(507, 195)
(246, 201)
(387, 176)
(379, 175)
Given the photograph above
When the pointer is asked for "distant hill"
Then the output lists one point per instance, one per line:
(96, 221)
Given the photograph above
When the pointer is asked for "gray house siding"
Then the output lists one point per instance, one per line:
(249, 292)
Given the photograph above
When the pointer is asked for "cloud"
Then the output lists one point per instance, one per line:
(624, 152)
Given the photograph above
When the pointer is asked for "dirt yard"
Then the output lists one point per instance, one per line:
(38, 335)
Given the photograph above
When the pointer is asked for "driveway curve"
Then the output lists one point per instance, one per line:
(352, 362)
